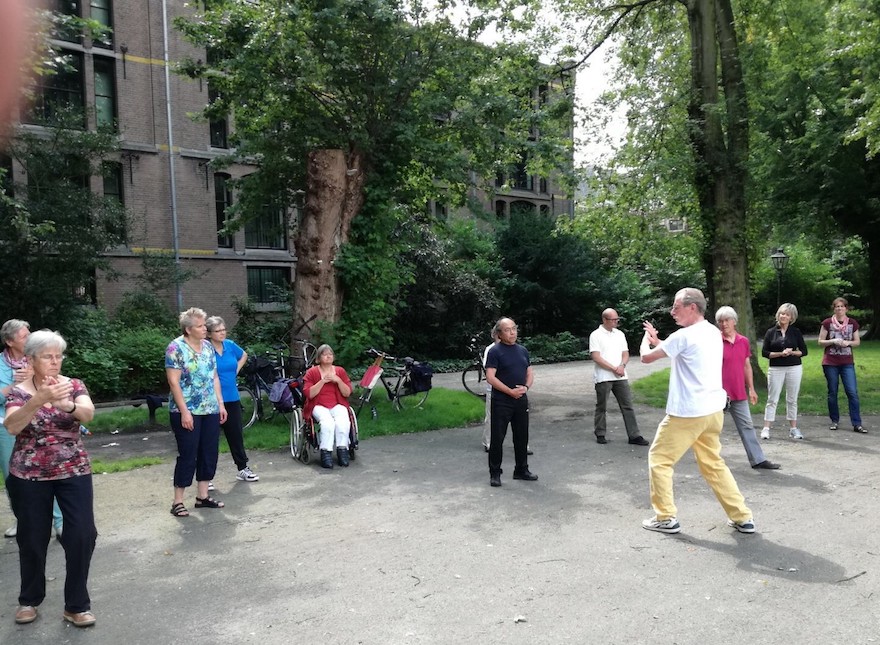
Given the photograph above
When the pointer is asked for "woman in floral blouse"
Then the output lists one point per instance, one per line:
(49, 461)
(196, 410)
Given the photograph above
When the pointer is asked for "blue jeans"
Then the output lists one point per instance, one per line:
(196, 449)
(847, 374)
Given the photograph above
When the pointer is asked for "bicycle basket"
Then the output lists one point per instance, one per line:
(420, 375)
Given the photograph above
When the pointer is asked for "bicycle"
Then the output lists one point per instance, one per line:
(408, 390)
(259, 373)
(474, 375)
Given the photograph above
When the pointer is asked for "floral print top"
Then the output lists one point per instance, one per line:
(196, 376)
(50, 446)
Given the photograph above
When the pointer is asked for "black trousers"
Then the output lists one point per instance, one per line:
(234, 434)
(515, 413)
(32, 505)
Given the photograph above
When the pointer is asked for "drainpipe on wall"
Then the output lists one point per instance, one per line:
(175, 241)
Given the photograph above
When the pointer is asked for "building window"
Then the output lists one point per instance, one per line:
(268, 230)
(101, 12)
(105, 93)
(222, 203)
(542, 186)
(64, 30)
(521, 178)
(112, 172)
(60, 90)
(268, 284)
(219, 127)
(441, 211)
(500, 209)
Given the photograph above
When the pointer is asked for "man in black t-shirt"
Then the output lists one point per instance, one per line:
(509, 373)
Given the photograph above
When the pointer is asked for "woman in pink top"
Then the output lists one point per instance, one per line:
(838, 335)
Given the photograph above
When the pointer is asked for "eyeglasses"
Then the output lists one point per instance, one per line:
(51, 357)
(613, 319)
(507, 329)
(216, 331)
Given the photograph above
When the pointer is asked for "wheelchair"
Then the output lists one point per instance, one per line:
(304, 437)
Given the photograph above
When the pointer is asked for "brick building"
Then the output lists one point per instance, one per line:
(175, 199)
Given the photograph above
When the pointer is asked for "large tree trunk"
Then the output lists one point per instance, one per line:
(873, 247)
(334, 196)
(720, 158)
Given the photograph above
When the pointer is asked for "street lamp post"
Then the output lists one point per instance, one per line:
(780, 261)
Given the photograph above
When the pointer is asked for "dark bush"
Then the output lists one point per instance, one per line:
(563, 346)
(140, 353)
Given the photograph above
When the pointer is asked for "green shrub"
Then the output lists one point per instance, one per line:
(563, 346)
(143, 309)
(141, 353)
(98, 368)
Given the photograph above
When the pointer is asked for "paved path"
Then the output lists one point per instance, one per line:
(411, 546)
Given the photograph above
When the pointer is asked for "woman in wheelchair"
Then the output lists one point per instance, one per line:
(327, 389)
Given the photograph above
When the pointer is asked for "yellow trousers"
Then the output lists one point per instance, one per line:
(675, 435)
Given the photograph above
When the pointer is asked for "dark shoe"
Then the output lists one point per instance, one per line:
(860, 430)
(601, 440)
(525, 475)
(495, 480)
(485, 448)
(25, 614)
(767, 465)
(529, 451)
(639, 441)
(326, 459)
(342, 456)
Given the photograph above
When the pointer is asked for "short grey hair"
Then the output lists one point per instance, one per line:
(692, 296)
(213, 322)
(188, 317)
(323, 349)
(787, 308)
(726, 313)
(11, 327)
(44, 339)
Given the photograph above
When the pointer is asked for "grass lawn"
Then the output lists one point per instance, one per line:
(812, 400)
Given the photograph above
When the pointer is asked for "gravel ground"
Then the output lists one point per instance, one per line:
(410, 545)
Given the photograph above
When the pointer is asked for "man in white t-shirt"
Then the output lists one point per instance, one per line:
(610, 354)
(694, 414)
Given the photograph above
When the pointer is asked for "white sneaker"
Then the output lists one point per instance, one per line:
(11, 532)
(211, 486)
(794, 433)
(247, 475)
(745, 527)
(663, 526)
(765, 433)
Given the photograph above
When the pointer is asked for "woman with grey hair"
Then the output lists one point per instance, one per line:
(14, 369)
(737, 379)
(49, 461)
(327, 388)
(196, 410)
(230, 358)
(784, 346)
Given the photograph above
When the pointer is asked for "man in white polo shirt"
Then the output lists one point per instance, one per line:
(610, 354)
(694, 414)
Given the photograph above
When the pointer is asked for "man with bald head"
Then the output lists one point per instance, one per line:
(610, 354)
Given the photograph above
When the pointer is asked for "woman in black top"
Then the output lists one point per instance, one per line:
(783, 345)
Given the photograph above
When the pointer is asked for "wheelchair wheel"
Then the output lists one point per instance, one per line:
(297, 433)
(352, 435)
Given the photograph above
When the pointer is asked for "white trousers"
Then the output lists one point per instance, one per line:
(335, 426)
(776, 378)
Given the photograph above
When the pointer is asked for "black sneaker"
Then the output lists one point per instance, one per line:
(766, 465)
(525, 475)
(639, 441)
(601, 440)
(495, 480)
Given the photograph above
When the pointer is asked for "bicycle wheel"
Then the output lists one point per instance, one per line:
(474, 380)
(405, 398)
(352, 436)
(297, 433)
(248, 406)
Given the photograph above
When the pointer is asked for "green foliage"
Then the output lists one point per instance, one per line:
(260, 330)
(101, 467)
(142, 352)
(554, 282)
(91, 339)
(144, 309)
(452, 294)
(55, 229)
(556, 348)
